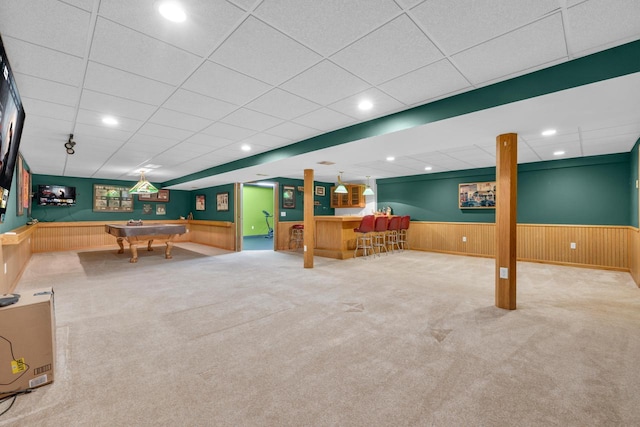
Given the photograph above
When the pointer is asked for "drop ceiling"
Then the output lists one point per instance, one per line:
(270, 73)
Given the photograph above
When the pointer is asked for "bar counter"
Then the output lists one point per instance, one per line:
(334, 237)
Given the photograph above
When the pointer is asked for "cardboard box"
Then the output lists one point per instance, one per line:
(27, 342)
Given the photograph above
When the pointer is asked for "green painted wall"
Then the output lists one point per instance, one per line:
(297, 213)
(211, 213)
(633, 191)
(83, 210)
(591, 190)
(255, 199)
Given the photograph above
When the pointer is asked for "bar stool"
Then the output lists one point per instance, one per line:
(296, 238)
(392, 233)
(405, 221)
(379, 238)
(364, 240)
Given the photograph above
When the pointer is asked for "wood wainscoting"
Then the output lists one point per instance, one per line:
(634, 254)
(220, 234)
(604, 247)
(15, 252)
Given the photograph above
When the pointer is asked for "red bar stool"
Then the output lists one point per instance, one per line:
(296, 237)
(392, 233)
(379, 238)
(363, 238)
(405, 221)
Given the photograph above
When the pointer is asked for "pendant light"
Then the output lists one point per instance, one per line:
(368, 191)
(340, 189)
(143, 186)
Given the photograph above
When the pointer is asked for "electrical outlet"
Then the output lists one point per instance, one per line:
(573, 245)
(283, 214)
(252, 227)
(464, 238)
(504, 273)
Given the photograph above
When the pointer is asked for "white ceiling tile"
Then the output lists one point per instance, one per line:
(325, 119)
(35, 107)
(220, 82)
(455, 25)
(109, 80)
(82, 4)
(230, 132)
(194, 148)
(98, 131)
(395, 49)
(426, 83)
(382, 104)
(608, 146)
(94, 118)
(246, 4)
(208, 140)
(189, 102)
(407, 4)
(115, 106)
(46, 124)
(206, 25)
(255, 44)
(527, 155)
(266, 140)
(158, 143)
(251, 120)
(292, 131)
(140, 54)
(168, 132)
(632, 129)
(560, 138)
(571, 149)
(308, 20)
(325, 83)
(519, 50)
(88, 144)
(596, 23)
(46, 90)
(68, 38)
(282, 104)
(179, 120)
(36, 61)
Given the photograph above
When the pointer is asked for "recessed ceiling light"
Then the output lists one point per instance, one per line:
(428, 168)
(108, 120)
(172, 11)
(245, 147)
(365, 105)
(558, 153)
(390, 159)
(549, 132)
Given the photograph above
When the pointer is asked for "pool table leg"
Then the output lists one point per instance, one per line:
(121, 251)
(134, 252)
(149, 248)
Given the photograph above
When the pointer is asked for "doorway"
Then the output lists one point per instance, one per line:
(258, 217)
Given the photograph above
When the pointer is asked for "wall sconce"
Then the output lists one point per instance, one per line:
(70, 144)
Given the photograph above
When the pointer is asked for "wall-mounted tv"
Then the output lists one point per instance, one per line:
(56, 195)
(11, 123)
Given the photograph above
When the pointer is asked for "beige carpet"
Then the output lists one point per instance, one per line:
(211, 338)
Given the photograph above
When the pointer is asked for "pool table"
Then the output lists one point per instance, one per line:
(136, 234)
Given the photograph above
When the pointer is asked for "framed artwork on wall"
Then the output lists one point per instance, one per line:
(477, 195)
(200, 202)
(160, 196)
(161, 210)
(319, 190)
(111, 198)
(222, 201)
(288, 197)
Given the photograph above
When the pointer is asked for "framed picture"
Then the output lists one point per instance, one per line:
(222, 201)
(161, 210)
(477, 195)
(319, 190)
(147, 209)
(111, 198)
(301, 188)
(200, 202)
(19, 186)
(288, 197)
(160, 196)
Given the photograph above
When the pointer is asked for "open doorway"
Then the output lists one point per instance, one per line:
(257, 216)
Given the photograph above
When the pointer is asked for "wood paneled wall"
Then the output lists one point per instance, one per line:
(221, 234)
(596, 246)
(634, 254)
(15, 254)
(283, 234)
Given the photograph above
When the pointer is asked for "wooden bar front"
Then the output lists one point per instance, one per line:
(334, 236)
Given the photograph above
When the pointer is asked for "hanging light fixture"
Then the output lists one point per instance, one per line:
(70, 144)
(368, 191)
(340, 189)
(143, 186)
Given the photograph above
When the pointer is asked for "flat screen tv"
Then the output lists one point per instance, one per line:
(11, 123)
(56, 195)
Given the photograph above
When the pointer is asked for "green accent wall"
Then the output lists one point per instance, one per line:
(297, 213)
(83, 210)
(633, 191)
(255, 199)
(211, 213)
(589, 191)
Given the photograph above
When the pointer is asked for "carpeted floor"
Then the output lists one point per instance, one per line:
(212, 338)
